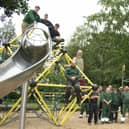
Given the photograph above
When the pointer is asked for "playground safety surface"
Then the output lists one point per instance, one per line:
(34, 122)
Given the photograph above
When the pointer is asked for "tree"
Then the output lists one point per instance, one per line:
(104, 39)
(7, 32)
(14, 6)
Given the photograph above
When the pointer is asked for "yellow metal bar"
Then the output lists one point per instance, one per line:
(46, 107)
(51, 85)
(40, 103)
(67, 58)
(30, 32)
(14, 39)
(49, 67)
(1, 49)
(15, 107)
(62, 71)
(14, 45)
(86, 96)
(70, 114)
(42, 106)
(9, 51)
(60, 85)
(74, 109)
(66, 116)
(9, 113)
(65, 108)
(50, 93)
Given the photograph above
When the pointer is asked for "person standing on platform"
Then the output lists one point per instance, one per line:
(54, 32)
(31, 17)
(47, 22)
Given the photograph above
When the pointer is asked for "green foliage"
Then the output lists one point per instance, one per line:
(104, 39)
(11, 6)
(7, 32)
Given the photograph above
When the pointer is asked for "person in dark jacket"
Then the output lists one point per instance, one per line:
(47, 22)
(93, 106)
(55, 32)
(53, 29)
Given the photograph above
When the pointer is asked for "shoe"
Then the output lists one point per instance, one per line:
(122, 119)
(81, 116)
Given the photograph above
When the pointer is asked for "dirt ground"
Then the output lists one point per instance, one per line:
(34, 122)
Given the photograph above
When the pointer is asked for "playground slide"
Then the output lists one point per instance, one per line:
(31, 54)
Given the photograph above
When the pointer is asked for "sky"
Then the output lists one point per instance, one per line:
(68, 13)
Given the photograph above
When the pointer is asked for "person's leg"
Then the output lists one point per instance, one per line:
(87, 108)
(90, 114)
(100, 111)
(78, 92)
(112, 113)
(67, 94)
(116, 112)
(24, 26)
(128, 109)
(95, 114)
(82, 109)
(104, 113)
(124, 110)
(108, 113)
(116, 116)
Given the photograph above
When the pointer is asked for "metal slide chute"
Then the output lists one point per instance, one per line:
(31, 54)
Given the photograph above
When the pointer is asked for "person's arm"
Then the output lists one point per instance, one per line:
(105, 101)
(47, 23)
(74, 59)
(109, 101)
(94, 96)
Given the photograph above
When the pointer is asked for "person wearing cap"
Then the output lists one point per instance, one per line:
(30, 18)
(72, 75)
